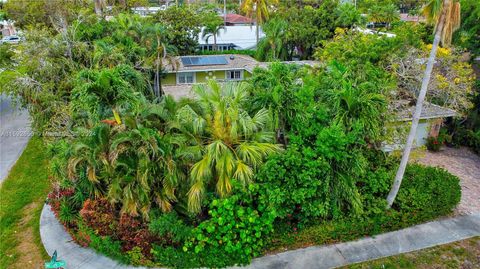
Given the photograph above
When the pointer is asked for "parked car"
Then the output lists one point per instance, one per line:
(11, 39)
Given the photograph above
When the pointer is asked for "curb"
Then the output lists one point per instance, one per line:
(54, 237)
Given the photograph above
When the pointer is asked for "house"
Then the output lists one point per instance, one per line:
(147, 11)
(7, 28)
(237, 20)
(232, 38)
(190, 70)
(411, 18)
(431, 121)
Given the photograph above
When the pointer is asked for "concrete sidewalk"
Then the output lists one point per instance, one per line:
(54, 237)
(14, 134)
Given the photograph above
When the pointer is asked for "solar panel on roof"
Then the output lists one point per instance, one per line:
(211, 60)
(186, 61)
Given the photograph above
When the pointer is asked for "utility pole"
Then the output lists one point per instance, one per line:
(225, 12)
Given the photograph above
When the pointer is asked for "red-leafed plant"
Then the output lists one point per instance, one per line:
(99, 215)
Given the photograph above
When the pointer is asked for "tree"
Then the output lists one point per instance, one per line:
(273, 47)
(182, 33)
(308, 27)
(114, 89)
(347, 15)
(383, 12)
(446, 16)
(259, 11)
(156, 38)
(26, 13)
(469, 33)
(228, 142)
(212, 27)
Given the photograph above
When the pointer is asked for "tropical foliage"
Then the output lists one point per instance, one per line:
(292, 154)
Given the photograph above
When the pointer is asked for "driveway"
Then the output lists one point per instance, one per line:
(14, 134)
(463, 163)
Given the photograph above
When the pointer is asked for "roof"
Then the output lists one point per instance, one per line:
(237, 19)
(233, 61)
(373, 32)
(243, 37)
(404, 110)
(266, 64)
(407, 17)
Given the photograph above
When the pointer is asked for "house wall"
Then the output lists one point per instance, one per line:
(204, 76)
(424, 130)
(170, 79)
(200, 77)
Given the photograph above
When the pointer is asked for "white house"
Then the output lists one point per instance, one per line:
(232, 38)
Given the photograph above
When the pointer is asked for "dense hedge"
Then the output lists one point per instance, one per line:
(238, 228)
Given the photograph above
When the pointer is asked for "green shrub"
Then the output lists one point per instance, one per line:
(433, 144)
(170, 227)
(102, 244)
(303, 177)
(236, 227)
(428, 192)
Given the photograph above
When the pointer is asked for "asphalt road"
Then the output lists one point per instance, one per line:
(14, 134)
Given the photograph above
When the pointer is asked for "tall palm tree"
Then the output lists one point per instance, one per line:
(212, 30)
(446, 16)
(228, 143)
(258, 10)
(155, 39)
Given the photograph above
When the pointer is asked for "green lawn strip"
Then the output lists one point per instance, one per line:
(27, 183)
(461, 254)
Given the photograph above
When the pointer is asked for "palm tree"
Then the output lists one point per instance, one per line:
(446, 16)
(155, 39)
(258, 10)
(107, 55)
(106, 89)
(91, 157)
(212, 30)
(145, 168)
(226, 141)
(272, 47)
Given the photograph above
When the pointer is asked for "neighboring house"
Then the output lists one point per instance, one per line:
(373, 32)
(190, 70)
(7, 28)
(411, 18)
(237, 20)
(232, 38)
(147, 11)
(431, 121)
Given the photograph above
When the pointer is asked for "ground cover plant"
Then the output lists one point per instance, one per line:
(289, 158)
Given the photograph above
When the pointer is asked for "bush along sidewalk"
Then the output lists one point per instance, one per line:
(236, 229)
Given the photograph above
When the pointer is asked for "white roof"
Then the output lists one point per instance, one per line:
(242, 36)
(372, 32)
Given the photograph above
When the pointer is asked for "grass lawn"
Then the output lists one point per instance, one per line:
(462, 254)
(22, 196)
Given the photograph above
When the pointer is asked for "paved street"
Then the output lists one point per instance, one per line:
(14, 134)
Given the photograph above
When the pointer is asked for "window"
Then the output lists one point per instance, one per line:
(185, 78)
(234, 75)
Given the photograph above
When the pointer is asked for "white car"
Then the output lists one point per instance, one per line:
(11, 39)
